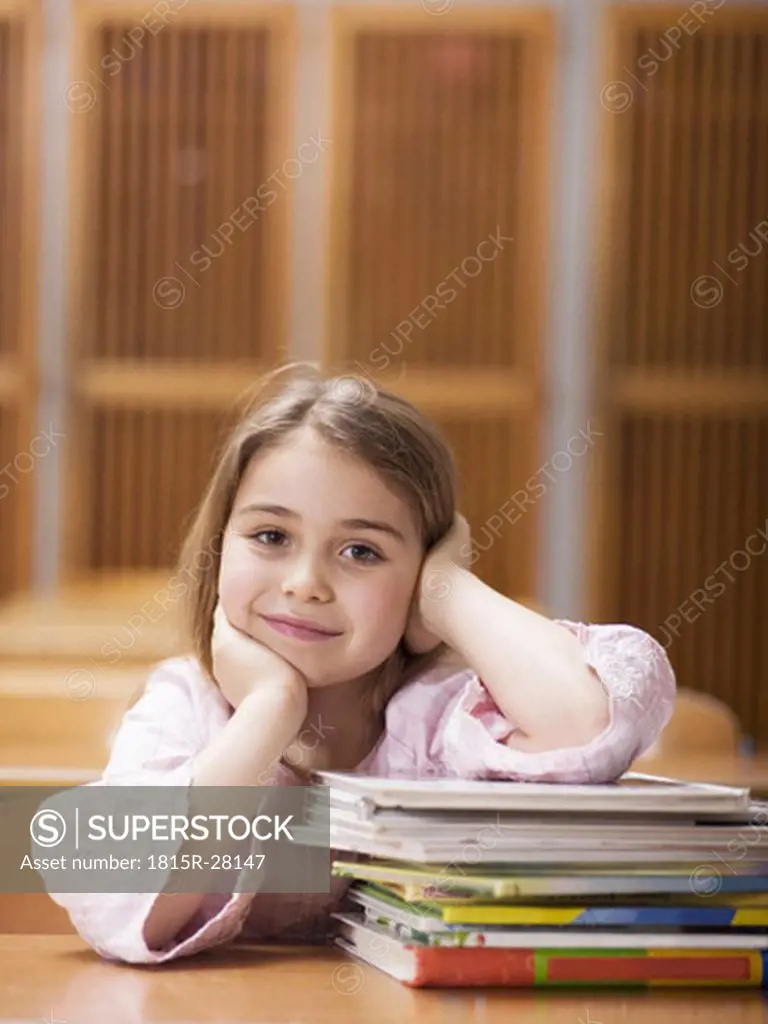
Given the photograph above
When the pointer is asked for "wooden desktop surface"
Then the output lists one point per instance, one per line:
(60, 980)
(722, 769)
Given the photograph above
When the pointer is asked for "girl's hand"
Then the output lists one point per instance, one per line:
(435, 585)
(242, 665)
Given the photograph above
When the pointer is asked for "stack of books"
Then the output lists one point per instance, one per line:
(646, 881)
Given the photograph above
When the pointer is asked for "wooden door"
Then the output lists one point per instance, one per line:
(180, 200)
(438, 224)
(22, 444)
(680, 507)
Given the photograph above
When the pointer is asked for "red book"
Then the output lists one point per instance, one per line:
(446, 967)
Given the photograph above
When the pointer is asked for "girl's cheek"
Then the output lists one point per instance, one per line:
(386, 602)
(238, 574)
(234, 591)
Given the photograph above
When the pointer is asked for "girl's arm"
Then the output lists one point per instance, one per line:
(271, 703)
(262, 727)
(533, 668)
(541, 700)
(183, 734)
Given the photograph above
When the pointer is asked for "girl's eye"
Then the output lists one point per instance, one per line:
(364, 553)
(276, 538)
(269, 538)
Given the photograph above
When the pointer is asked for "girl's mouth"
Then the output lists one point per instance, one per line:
(298, 632)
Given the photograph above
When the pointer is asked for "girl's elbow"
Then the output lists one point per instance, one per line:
(593, 716)
(565, 735)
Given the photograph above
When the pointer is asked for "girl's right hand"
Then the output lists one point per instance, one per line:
(242, 665)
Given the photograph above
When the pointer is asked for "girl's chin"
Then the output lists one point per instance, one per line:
(325, 683)
(320, 684)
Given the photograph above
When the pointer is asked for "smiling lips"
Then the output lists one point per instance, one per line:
(299, 629)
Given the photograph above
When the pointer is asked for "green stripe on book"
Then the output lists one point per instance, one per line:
(601, 951)
(540, 972)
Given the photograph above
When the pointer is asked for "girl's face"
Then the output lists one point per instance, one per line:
(315, 535)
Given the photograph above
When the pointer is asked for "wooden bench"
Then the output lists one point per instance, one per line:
(102, 620)
(56, 724)
(70, 661)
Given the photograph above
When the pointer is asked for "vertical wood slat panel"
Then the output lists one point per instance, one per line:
(19, 121)
(757, 589)
(250, 148)
(642, 229)
(738, 336)
(11, 42)
(5, 269)
(135, 440)
(441, 140)
(716, 499)
(169, 59)
(230, 84)
(178, 288)
(135, 461)
(699, 326)
(683, 395)
(109, 312)
(421, 157)
(8, 35)
(758, 145)
(723, 212)
(681, 269)
(149, 522)
(493, 185)
(10, 525)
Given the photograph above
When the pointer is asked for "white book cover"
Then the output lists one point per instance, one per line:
(488, 847)
(356, 929)
(546, 827)
(633, 793)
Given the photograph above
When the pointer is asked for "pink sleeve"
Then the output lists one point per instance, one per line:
(637, 676)
(449, 724)
(156, 744)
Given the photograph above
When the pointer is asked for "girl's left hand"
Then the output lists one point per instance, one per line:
(435, 586)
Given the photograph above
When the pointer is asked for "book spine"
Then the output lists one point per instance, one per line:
(606, 917)
(520, 968)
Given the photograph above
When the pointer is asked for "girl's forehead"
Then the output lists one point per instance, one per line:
(304, 452)
(317, 481)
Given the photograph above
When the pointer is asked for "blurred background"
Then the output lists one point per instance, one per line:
(547, 225)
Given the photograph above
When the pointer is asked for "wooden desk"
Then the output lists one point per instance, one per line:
(59, 979)
(751, 772)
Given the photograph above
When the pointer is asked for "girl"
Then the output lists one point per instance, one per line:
(334, 625)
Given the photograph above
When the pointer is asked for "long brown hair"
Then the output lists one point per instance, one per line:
(349, 412)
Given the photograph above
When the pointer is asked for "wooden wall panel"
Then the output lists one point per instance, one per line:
(438, 226)
(147, 472)
(503, 548)
(19, 118)
(182, 176)
(683, 359)
(11, 500)
(183, 143)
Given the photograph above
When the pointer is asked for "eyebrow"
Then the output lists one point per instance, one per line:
(350, 524)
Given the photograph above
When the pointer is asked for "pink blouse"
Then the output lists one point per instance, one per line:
(454, 728)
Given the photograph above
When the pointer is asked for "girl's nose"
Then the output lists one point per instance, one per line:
(305, 582)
